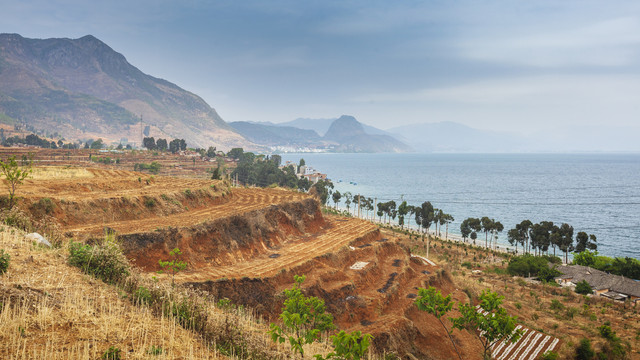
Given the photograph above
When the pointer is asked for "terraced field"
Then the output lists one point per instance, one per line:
(241, 201)
(297, 251)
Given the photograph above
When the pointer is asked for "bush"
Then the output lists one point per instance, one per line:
(529, 265)
(584, 351)
(44, 205)
(4, 261)
(550, 355)
(556, 305)
(583, 288)
(104, 261)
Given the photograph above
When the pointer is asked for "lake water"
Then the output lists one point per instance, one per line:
(598, 194)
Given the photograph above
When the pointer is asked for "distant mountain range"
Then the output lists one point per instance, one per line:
(344, 134)
(321, 126)
(81, 88)
(455, 137)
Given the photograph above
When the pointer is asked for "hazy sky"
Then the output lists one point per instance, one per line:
(538, 67)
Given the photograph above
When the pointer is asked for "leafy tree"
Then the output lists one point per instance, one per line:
(403, 209)
(496, 228)
(585, 258)
(584, 242)
(97, 145)
(347, 200)
(336, 198)
(276, 159)
(514, 237)
(304, 319)
(15, 175)
(528, 265)
(424, 216)
(524, 228)
(149, 143)
(566, 240)
(174, 146)
(211, 152)
(487, 226)
(174, 265)
(448, 219)
(235, 153)
(162, 145)
(491, 324)
(322, 188)
(348, 346)
(465, 229)
(583, 288)
(432, 301)
(183, 145)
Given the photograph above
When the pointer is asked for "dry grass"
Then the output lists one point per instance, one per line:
(50, 310)
(53, 311)
(532, 302)
(57, 172)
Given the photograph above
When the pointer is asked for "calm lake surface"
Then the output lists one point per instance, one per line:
(598, 194)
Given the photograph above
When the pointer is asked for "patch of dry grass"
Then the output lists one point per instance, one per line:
(52, 311)
(58, 172)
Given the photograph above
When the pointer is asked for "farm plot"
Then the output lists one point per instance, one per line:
(528, 347)
(293, 253)
(242, 200)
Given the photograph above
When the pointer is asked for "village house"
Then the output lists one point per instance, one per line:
(614, 287)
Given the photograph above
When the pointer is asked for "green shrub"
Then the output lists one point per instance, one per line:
(584, 351)
(583, 288)
(143, 295)
(149, 202)
(529, 265)
(4, 261)
(44, 205)
(556, 305)
(550, 355)
(113, 353)
(571, 312)
(104, 261)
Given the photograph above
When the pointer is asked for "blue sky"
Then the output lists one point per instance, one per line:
(561, 68)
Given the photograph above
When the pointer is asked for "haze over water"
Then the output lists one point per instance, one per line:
(595, 193)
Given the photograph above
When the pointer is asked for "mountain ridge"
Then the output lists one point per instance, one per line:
(83, 88)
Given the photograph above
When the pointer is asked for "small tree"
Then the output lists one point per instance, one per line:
(174, 265)
(15, 175)
(347, 346)
(490, 323)
(584, 351)
(583, 288)
(304, 319)
(432, 301)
